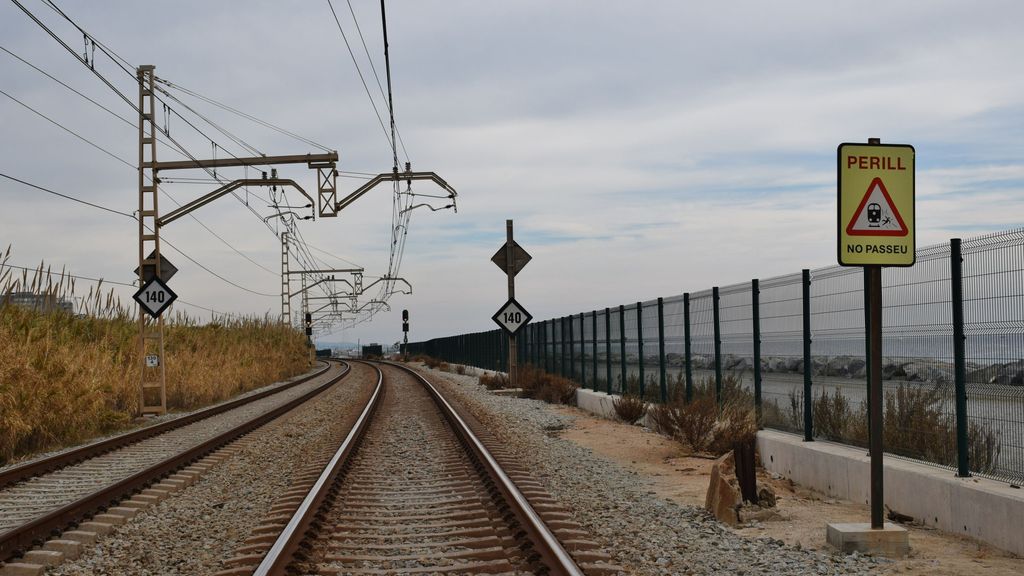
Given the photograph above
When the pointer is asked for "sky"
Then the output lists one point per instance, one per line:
(642, 149)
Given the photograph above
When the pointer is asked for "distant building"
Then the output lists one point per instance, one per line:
(373, 351)
(40, 302)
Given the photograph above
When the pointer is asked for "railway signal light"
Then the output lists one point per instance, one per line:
(405, 315)
(309, 324)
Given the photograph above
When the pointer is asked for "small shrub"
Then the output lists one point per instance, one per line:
(736, 424)
(695, 422)
(432, 363)
(832, 416)
(496, 381)
(460, 369)
(664, 418)
(629, 408)
(547, 387)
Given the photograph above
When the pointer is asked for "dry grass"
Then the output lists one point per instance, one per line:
(629, 408)
(704, 426)
(547, 387)
(495, 381)
(65, 378)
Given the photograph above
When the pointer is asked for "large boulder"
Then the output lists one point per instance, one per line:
(931, 371)
(723, 497)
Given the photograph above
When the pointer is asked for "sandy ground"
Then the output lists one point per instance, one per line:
(802, 513)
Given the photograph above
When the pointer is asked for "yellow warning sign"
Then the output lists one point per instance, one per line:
(876, 205)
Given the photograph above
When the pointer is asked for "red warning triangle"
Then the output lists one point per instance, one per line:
(877, 214)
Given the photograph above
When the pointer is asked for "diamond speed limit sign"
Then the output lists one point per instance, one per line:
(511, 317)
(155, 297)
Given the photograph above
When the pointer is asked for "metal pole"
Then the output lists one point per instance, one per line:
(593, 332)
(583, 356)
(874, 274)
(608, 349)
(687, 348)
(622, 347)
(755, 302)
(718, 346)
(808, 399)
(510, 255)
(956, 260)
(662, 375)
(572, 349)
(640, 345)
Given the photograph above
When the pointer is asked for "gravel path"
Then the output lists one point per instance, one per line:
(195, 531)
(645, 534)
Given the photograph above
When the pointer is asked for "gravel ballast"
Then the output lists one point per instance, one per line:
(645, 534)
(196, 530)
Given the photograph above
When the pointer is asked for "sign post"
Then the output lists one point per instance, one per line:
(512, 316)
(875, 229)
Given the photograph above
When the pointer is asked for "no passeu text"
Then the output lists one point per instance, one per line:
(876, 249)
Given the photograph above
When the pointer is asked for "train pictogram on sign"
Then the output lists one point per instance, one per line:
(877, 214)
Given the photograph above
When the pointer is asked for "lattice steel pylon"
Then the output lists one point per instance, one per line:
(286, 309)
(153, 389)
(153, 381)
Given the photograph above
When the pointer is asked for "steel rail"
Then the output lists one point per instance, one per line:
(25, 536)
(554, 556)
(288, 542)
(29, 469)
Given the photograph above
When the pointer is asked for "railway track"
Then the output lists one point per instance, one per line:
(47, 497)
(413, 490)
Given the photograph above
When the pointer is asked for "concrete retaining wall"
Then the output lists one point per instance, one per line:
(984, 509)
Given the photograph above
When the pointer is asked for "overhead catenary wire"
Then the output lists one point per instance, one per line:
(164, 240)
(133, 285)
(129, 69)
(245, 115)
(133, 167)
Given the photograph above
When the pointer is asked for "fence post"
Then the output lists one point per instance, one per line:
(583, 355)
(963, 464)
(608, 349)
(572, 349)
(662, 376)
(593, 332)
(547, 350)
(718, 347)
(640, 346)
(564, 337)
(755, 312)
(686, 347)
(622, 348)
(502, 351)
(808, 398)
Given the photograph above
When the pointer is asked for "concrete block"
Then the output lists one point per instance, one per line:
(100, 528)
(86, 537)
(891, 541)
(128, 513)
(115, 519)
(22, 569)
(171, 485)
(43, 557)
(71, 549)
(157, 493)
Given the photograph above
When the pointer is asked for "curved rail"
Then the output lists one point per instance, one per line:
(29, 469)
(284, 548)
(27, 535)
(552, 554)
